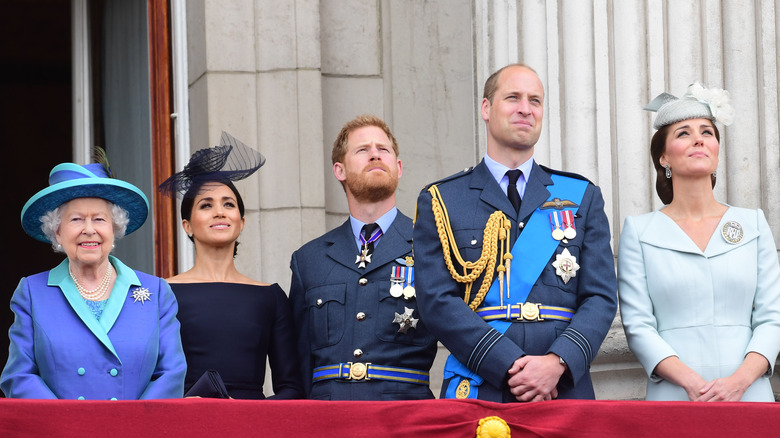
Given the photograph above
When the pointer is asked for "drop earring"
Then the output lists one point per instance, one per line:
(668, 171)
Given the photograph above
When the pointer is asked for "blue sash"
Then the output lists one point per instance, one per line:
(530, 254)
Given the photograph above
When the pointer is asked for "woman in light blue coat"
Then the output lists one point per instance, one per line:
(699, 281)
(91, 328)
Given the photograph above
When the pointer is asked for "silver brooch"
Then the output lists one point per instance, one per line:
(141, 294)
(732, 232)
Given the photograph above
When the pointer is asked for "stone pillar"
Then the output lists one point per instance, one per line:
(254, 72)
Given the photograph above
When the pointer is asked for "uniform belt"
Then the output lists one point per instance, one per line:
(525, 312)
(369, 371)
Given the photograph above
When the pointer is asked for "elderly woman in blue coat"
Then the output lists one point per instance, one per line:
(91, 328)
(699, 281)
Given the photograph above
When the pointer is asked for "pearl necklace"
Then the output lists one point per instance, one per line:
(99, 291)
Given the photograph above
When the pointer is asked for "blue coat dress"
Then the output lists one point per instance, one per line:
(345, 314)
(60, 350)
(470, 198)
(709, 308)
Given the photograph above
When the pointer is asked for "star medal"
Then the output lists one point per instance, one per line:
(397, 280)
(141, 294)
(565, 265)
(363, 258)
(555, 224)
(405, 321)
(409, 291)
(569, 231)
(365, 255)
(732, 232)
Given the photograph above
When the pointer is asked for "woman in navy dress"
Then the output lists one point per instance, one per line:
(230, 323)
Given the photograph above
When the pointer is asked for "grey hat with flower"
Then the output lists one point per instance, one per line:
(697, 103)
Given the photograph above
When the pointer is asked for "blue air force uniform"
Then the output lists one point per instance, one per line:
(350, 346)
(483, 352)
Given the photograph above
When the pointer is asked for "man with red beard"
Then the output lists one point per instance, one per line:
(352, 289)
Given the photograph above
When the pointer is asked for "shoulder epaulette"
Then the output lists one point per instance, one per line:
(463, 172)
(562, 173)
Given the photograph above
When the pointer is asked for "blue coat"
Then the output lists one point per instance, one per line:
(470, 198)
(60, 350)
(709, 308)
(327, 296)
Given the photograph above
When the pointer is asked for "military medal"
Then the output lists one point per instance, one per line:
(565, 265)
(569, 231)
(732, 232)
(364, 256)
(405, 321)
(397, 279)
(409, 291)
(555, 223)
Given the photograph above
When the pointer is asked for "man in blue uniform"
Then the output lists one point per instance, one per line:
(515, 274)
(353, 290)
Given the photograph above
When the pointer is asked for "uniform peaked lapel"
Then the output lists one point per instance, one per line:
(536, 191)
(396, 241)
(491, 192)
(343, 249)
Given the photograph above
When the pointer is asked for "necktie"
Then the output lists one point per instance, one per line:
(511, 191)
(370, 234)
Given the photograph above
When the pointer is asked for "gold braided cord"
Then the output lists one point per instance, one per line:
(494, 231)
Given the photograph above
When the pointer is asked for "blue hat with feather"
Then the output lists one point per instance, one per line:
(68, 181)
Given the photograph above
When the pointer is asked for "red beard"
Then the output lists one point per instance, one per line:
(370, 186)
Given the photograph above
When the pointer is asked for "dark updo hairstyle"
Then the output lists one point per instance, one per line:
(663, 185)
(187, 202)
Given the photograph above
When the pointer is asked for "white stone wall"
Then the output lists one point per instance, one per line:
(284, 75)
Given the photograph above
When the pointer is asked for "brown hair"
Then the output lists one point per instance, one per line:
(663, 185)
(491, 84)
(340, 145)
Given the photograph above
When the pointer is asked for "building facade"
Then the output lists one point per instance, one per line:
(285, 75)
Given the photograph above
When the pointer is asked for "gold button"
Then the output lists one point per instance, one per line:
(361, 316)
(319, 302)
(363, 281)
(357, 353)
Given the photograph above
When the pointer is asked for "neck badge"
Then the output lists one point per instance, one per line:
(363, 258)
(365, 252)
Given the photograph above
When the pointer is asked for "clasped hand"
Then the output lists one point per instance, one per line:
(534, 378)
